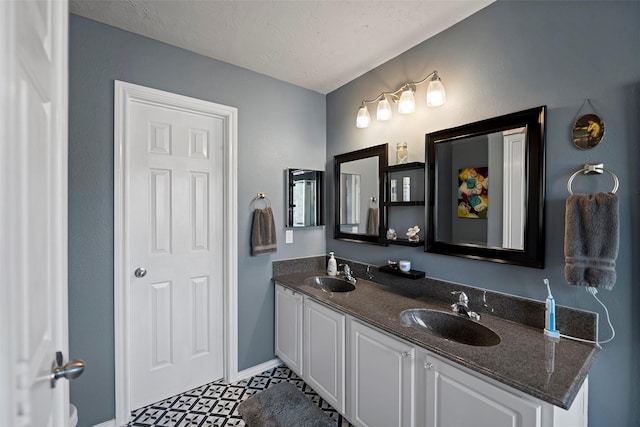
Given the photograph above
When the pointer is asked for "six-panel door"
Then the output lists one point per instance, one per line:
(175, 220)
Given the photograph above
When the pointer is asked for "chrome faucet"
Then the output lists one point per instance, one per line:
(462, 306)
(369, 273)
(346, 272)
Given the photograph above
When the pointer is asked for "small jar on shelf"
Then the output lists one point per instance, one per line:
(402, 154)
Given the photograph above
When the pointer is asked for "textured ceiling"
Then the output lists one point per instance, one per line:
(319, 45)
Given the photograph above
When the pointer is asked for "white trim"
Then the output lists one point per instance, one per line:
(110, 423)
(258, 369)
(124, 94)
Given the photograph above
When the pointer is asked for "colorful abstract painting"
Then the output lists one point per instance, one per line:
(473, 192)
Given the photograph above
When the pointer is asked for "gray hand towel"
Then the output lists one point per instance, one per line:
(372, 221)
(263, 232)
(591, 240)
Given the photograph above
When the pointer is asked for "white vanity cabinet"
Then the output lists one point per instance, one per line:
(450, 395)
(378, 380)
(324, 352)
(380, 372)
(288, 327)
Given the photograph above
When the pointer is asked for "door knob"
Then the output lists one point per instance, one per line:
(69, 370)
(140, 272)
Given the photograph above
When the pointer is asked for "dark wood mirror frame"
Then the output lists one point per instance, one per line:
(316, 204)
(532, 255)
(379, 151)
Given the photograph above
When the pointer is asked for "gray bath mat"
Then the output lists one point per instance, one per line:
(282, 405)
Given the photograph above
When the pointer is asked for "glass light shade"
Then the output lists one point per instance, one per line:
(363, 119)
(407, 103)
(435, 93)
(384, 110)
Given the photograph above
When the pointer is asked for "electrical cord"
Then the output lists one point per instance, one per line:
(593, 291)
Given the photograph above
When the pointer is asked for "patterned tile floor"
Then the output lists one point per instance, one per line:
(216, 404)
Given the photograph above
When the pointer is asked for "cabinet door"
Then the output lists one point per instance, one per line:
(449, 396)
(324, 331)
(381, 372)
(288, 328)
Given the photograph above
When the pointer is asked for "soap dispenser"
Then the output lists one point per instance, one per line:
(332, 265)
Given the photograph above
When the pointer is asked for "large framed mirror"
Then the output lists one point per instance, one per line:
(485, 189)
(305, 197)
(359, 185)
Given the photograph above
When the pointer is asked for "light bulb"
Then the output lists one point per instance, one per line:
(407, 103)
(384, 110)
(435, 92)
(363, 119)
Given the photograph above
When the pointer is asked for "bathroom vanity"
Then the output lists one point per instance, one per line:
(354, 350)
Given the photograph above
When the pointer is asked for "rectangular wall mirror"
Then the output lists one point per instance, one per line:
(486, 189)
(305, 198)
(358, 188)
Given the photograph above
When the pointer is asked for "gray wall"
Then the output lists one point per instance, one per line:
(280, 126)
(509, 57)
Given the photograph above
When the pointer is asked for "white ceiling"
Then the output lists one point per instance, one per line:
(316, 44)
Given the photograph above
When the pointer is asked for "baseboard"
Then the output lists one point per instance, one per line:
(258, 369)
(110, 423)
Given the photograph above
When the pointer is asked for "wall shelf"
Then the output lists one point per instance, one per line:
(404, 215)
(416, 203)
(404, 167)
(405, 242)
(411, 274)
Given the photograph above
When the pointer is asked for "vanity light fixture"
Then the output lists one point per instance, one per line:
(405, 98)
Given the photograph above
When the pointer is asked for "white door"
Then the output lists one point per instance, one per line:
(514, 190)
(175, 220)
(33, 211)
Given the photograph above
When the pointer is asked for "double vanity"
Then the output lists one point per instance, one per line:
(402, 350)
(390, 351)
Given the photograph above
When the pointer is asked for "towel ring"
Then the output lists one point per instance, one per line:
(596, 168)
(261, 196)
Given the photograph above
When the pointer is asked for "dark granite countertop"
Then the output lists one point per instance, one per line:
(520, 360)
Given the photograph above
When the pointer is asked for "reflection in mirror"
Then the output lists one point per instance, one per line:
(358, 188)
(486, 189)
(305, 197)
(483, 177)
(350, 202)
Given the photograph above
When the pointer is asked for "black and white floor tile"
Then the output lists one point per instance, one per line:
(216, 404)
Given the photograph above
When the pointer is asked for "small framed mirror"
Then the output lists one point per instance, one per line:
(486, 189)
(359, 184)
(305, 197)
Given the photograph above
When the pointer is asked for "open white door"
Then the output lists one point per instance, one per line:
(33, 211)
